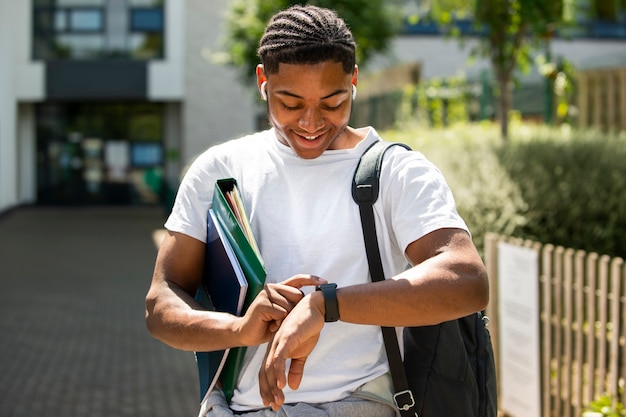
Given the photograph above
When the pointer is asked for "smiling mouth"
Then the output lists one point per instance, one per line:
(310, 138)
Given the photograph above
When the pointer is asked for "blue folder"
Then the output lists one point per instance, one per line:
(223, 288)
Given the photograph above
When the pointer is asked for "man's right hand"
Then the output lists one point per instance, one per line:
(174, 317)
(266, 313)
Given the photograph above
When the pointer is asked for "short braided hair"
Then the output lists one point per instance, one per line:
(306, 35)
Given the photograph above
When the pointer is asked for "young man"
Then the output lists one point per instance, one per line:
(295, 181)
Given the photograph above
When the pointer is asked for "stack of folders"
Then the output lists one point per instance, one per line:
(233, 276)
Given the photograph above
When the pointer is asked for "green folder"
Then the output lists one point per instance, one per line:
(247, 255)
(251, 264)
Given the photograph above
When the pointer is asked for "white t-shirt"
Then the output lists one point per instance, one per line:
(305, 221)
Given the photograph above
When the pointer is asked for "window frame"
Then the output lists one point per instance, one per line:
(46, 32)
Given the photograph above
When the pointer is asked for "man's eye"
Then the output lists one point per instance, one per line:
(296, 107)
(332, 108)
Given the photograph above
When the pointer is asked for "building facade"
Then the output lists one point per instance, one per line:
(103, 101)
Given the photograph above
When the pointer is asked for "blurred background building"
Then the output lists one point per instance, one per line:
(101, 100)
(594, 35)
(104, 101)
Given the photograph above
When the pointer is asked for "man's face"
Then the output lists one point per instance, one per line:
(309, 106)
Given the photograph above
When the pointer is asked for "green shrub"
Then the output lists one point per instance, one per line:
(605, 406)
(485, 196)
(574, 184)
(550, 185)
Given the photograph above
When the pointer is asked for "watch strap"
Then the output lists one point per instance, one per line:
(331, 307)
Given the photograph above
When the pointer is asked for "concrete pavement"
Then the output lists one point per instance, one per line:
(72, 336)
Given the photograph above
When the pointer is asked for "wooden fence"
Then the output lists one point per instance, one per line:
(602, 98)
(582, 322)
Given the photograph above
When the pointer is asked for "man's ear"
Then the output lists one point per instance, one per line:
(261, 81)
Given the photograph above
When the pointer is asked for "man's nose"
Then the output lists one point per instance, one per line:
(311, 120)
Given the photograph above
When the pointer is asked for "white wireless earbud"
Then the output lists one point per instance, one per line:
(353, 91)
(263, 92)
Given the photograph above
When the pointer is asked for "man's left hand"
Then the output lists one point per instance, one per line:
(295, 340)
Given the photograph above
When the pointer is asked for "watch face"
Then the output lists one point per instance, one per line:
(331, 285)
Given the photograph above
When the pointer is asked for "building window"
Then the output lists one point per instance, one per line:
(146, 20)
(146, 29)
(97, 29)
(85, 20)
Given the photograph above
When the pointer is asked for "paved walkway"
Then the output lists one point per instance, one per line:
(72, 336)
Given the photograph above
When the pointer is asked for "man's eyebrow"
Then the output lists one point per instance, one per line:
(290, 94)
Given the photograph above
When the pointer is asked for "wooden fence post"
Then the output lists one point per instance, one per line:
(579, 308)
(603, 275)
(615, 320)
(545, 276)
(591, 321)
(583, 100)
(610, 110)
(622, 98)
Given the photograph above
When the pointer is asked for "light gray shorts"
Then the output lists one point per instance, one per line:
(372, 399)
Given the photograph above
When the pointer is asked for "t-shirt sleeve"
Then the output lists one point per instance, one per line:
(418, 196)
(193, 198)
(229, 159)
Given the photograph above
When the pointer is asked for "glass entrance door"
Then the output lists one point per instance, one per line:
(99, 153)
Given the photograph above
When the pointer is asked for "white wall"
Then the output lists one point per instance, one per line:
(29, 75)
(217, 107)
(21, 81)
(8, 148)
(166, 77)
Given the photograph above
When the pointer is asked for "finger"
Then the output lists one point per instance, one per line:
(276, 291)
(269, 308)
(268, 396)
(264, 389)
(274, 326)
(275, 372)
(283, 296)
(301, 280)
(296, 370)
(282, 299)
(290, 289)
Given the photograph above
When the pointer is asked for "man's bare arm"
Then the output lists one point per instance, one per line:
(174, 317)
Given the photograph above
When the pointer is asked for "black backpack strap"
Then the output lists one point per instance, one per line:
(365, 189)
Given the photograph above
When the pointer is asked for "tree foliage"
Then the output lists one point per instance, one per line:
(508, 31)
(373, 23)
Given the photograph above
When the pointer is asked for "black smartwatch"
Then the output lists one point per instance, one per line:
(329, 291)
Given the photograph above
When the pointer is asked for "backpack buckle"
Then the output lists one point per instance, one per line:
(405, 398)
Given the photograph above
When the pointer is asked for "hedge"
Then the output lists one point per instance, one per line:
(551, 185)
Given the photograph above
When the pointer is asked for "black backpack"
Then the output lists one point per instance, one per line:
(449, 368)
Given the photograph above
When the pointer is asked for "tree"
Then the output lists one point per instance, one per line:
(373, 23)
(508, 31)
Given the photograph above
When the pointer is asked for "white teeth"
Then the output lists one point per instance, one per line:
(310, 137)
